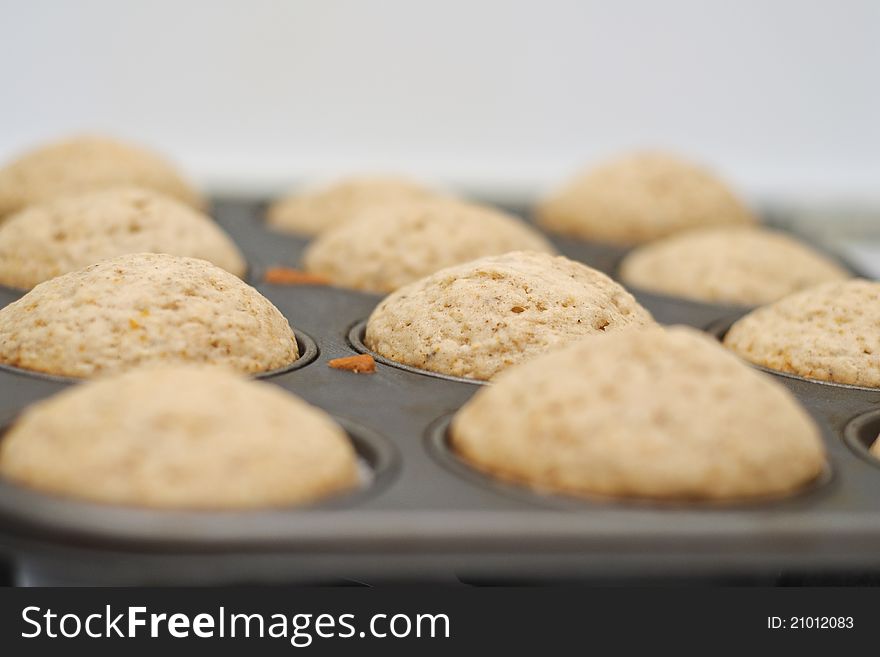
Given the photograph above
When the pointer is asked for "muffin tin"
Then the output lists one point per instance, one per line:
(425, 514)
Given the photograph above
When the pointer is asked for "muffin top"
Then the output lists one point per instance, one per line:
(475, 319)
(60, 236)
(828, 332)
(728, 264)
(86, 163)
(387, 247)
(179, 437)
(311, 213)
(649, 413)
(641, 197)
(142, 308)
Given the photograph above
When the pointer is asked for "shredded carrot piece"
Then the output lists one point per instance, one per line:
(291, 276)
(361, 364)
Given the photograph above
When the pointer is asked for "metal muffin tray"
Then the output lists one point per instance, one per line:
(424, 514)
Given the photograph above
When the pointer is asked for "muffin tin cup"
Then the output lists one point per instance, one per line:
(423, 518)
(861, 433)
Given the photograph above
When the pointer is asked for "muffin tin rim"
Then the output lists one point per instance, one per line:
(852, 436)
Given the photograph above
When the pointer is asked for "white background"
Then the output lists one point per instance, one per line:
(782, 96)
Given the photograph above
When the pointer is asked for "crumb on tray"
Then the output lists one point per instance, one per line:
(291, 276)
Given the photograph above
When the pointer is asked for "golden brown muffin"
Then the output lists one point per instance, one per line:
(739, 265)
(179, 437)
(476, 319)
(83, 164)
(144, 308)
(650, 413)
(312, 212)
(387, 247)
(828, 333)
(56, 237)
(641, 197)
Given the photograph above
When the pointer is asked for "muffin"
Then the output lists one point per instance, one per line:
(828, 333)
(475, 319)
(654, 413)
(60, 236)
(313, 212)
(144, 308)
(641, 197)
(384, 248)
(179, 436)
(83, 164)
(739, 265)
